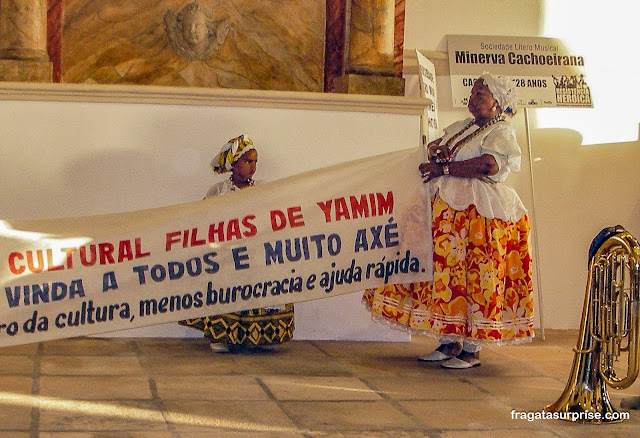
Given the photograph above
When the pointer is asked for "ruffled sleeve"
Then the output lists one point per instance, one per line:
(220, 188)
(501, 143)
(496, 200)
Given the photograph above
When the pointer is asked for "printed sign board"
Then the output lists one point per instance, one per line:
(545, 72)
(428, 90)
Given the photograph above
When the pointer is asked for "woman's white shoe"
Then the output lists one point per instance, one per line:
(436, 356)
(219, 347)
(462, 361)
(443, 352)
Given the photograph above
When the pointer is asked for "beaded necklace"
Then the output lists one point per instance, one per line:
(250, 182)
(454, 150)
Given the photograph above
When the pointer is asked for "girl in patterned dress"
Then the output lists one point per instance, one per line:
(255, 328)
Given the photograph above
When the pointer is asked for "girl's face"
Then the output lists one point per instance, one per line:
(245, 167)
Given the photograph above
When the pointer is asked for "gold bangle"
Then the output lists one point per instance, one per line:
(445, 169)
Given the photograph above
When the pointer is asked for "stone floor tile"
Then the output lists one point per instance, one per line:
(210, 388)
(413, 388)
(16, 365)
(337, 416)
(101, 416)
(309, 349)
(521, 388)
(12, 384)
(172, 347)
(563, 338)
(338, 349)
(390, 365)
(318, 388)
(281, 362)
(499, 433)
(530, 404)
(221, 433)
(555, 368)
(464, 415)
(15, 413)
(537, 352)
(190, 366)
(239, 416)
(95, 387)
(108, 434)
(409, 366)
(90, 365)
(390, 433)
(89, 347)
(499, 367)
(15, 434)
(20, 350)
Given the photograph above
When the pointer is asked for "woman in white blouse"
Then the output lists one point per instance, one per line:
(482, 289)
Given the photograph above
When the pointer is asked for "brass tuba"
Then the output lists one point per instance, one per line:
(610, 328)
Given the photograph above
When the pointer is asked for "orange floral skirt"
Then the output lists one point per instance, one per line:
(482, 289)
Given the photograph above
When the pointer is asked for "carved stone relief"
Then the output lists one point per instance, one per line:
(193, 33)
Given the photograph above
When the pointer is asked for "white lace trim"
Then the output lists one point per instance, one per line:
(445, 338)
(471, 318)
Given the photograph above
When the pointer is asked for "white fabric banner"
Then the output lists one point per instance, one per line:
(545, 72)
(319, 234)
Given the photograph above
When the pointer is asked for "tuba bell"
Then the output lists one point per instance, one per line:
(609, 329)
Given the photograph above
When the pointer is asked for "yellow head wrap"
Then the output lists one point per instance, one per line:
(230, 153)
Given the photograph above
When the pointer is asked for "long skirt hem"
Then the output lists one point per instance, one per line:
(481, 290)
(249, 328)
(396, 325)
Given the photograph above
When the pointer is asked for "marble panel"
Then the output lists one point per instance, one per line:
(371, 37)
(247, 44)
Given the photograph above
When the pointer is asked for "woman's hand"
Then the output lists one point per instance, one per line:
(478, 167)
(442, 155)
(437, 153)
(432, 146)
(429, 171)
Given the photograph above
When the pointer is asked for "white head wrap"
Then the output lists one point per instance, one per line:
(503, 90)
(230, 153)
